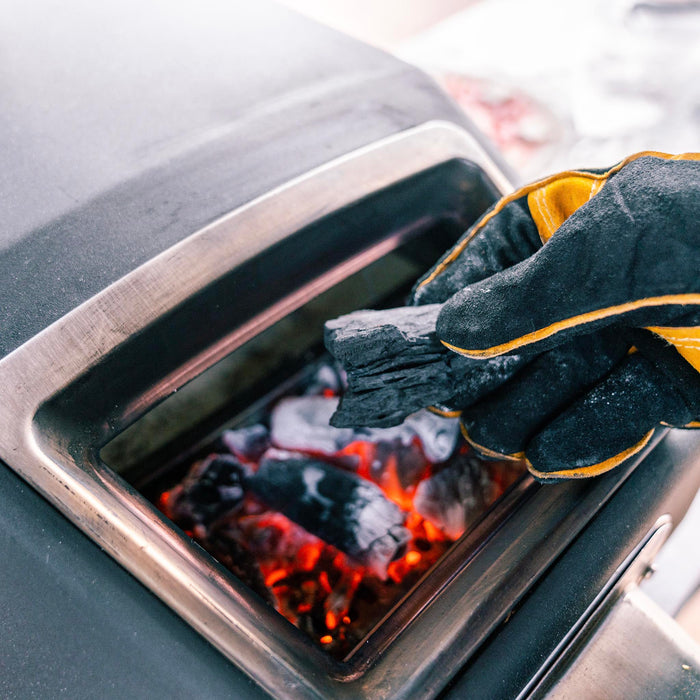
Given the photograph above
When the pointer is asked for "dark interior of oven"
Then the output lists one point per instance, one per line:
(330, 594)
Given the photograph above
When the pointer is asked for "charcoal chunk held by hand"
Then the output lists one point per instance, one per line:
(396, 365)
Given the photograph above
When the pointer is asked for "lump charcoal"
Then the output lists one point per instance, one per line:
(407, 461)
(221, 542)
(363, 337)
(247, 443)
(271, 537)
(396, 365)
(303, 423)
(438, 435)
(341, 508)
(456, 496)
(213, 487)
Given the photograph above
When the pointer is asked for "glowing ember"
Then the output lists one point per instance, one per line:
(336, 597)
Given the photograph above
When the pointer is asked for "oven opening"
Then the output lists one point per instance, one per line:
(183, 408)
(333, 528)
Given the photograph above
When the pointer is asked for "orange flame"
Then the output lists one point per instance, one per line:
(391, 485)
(275, 576)
(308, 556)
(365, 453)
(331, 621)
(413, 557)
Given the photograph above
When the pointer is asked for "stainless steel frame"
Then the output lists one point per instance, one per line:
(477, 586)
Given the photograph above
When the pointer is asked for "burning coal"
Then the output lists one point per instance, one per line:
(333, 526)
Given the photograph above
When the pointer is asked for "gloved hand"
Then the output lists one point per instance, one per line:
(597, 276)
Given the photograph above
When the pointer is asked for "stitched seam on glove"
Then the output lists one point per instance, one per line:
(445, 413)
(594, 469)
(487, 451)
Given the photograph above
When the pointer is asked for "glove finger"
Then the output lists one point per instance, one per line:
(505, 235)
(512, 230)
(503, 422)
(628, 252)
(614, 421)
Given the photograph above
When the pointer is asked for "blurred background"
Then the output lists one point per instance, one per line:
(554, 84)
(559, 85)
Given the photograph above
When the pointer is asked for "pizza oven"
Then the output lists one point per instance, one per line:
(178, 416)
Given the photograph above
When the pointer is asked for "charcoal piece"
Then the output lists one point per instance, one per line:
(455, 497)
(341, 508)
(396, 365)
(406, 460)
(213, 487)
(247, 443)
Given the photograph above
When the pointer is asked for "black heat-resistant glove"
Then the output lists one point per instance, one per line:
(597, 274)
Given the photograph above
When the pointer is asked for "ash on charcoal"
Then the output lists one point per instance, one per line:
(247, 443)
(213, 487)
(302, 424)
(347, 511)
(438, 435)
(456, 496)
(396, 365)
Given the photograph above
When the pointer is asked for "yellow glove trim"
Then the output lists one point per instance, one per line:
(594, 469)
(516, 456)
(579, 320)
(685, 340)
(445, 414)
(543, 183)
(550, 206)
